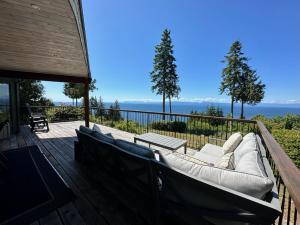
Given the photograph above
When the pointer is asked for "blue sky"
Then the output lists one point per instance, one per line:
(122, 34)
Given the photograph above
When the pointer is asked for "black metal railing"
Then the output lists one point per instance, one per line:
(197, 130)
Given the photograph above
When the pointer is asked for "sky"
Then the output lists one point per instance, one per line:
(121, 35)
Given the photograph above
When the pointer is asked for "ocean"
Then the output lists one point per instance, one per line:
(268, 110)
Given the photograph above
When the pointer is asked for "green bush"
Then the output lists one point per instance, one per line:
(174, 126)
(286, 131)
(129, 126)
(290, 142)
(211, 111)
(64, 113)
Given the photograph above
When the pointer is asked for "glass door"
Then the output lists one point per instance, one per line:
(4, 110)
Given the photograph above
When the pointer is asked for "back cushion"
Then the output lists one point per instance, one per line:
(103, 137)
(135, 148)
(251, 163)
(96, 127)
(248, 144)
(85, 130)
(232, 142)
(253, 185)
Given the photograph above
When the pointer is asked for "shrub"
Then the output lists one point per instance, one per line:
(174, 126)
(286, 131)
(64, 113)
(211, 111)
(129, 126)
(290, 142)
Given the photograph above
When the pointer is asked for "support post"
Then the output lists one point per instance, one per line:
(86, 104)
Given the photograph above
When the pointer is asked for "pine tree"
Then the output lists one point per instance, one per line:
(32, 93)
(231, 74)
(164, 76)
(76, 90)
(101, 108)
(114, 111)
(251, 90)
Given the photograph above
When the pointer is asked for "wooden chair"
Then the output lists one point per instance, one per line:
(37, 119)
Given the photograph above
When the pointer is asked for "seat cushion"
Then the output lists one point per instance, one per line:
(249, 184)
(85, 129)
(103, 137)
(248, 144)
(210, 159)
(213, 150)
(173, 160)
(233, 141)
(209, 154)
(135, 148)
(188, 158)
(226, 162)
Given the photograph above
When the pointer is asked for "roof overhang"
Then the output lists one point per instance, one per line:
(43, 40)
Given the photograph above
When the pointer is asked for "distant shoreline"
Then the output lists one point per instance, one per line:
(267, 109)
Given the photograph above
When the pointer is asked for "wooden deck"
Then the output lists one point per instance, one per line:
(94, 204)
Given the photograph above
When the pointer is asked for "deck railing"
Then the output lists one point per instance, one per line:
(199, 130)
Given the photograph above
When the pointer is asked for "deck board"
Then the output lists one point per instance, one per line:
(93, 205)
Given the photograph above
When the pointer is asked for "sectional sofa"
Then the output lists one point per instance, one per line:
(232, 184)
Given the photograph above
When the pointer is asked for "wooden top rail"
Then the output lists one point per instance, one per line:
(288, 171)
(161, 113)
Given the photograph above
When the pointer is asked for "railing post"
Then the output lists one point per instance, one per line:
(226, 130)
(147, 122)
(127, 121)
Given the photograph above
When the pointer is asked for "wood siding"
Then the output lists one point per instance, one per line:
(42, 36)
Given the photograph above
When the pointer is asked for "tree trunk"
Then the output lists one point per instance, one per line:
(242, 110)
(231, 109)
(170, 108)
(76, 102)
(164, 105)
(73, 101)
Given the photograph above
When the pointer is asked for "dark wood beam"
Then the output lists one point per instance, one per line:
(43, 76)
(86, 105)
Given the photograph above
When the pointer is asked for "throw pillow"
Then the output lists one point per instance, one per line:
(85, 129)
(227, 161)
(233, 141)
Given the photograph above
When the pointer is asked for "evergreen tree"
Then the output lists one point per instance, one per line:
(114, 113)
(164, 76)
(101, 108)
(231, 74)
(251, 89)
(32, 92)
(76, 90)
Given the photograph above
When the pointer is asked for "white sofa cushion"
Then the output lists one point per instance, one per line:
(209, 153)
(261, 147)
(253, 185)
(189, 158)
(213, 150)
(226, 162)
(248, 144)
(233, 141)
(251, 163)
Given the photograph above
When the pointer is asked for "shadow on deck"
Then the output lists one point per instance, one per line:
(94, 204)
